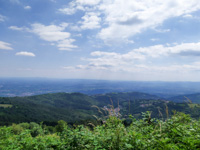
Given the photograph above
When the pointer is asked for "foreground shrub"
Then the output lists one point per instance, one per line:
(178, 132)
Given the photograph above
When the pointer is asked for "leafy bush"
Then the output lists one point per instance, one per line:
(178, 132)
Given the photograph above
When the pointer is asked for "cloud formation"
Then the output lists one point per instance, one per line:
(141, 60)
(27, 7)
(25, 54)
(5, 46)
(161, 50)
(51, 33)
(54, 33)
(2, 18)
(77, 5)
(90, 21)
(133, 17)
(18, 28)
(88, 2)
(72, 8)
(122, 20)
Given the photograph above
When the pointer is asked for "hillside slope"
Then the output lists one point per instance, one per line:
(76, 107)
(48, 107)
(195, 98)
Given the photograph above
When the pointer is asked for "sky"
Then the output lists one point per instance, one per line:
(140, 40)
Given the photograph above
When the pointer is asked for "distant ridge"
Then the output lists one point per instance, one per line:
(195, 98)
(123, 97)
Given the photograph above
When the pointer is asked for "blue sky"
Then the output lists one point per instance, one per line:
(101, 39)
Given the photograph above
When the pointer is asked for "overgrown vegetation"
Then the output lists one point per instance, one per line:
(178, 132)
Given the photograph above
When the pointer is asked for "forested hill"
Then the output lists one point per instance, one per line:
(194, 98)
(77, 107)
(47, 107)
(105, 99)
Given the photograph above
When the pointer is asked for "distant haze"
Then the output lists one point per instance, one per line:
(10, 87)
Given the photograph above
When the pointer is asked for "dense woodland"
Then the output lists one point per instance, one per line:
(78, 108)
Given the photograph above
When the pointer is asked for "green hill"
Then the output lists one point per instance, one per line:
(105, 99)
(77, 107)
(48, 107)
(195, 98)
(135, 103)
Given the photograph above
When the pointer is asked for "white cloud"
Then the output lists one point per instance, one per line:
(71, 9)
(91, 21)
(112, 61)
(188, 16)
(50, 33)
(145, 72)
(5, 46)
(17, 28)
(66, 44)
(53, 33)
(140, 71)
(136, 60)
(27, 7)
(83, 5)
(187, 49)
(162, 30)
(25, 54)
(88, 2)
(67, 11)
(154, 39)
(68, 68)
(125, 19)
(2, 18)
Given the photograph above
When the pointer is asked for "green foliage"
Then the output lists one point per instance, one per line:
(71, 107)
(178, 132)
(35, 129)
(62, 125)
(77, 108)
(194, 98)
